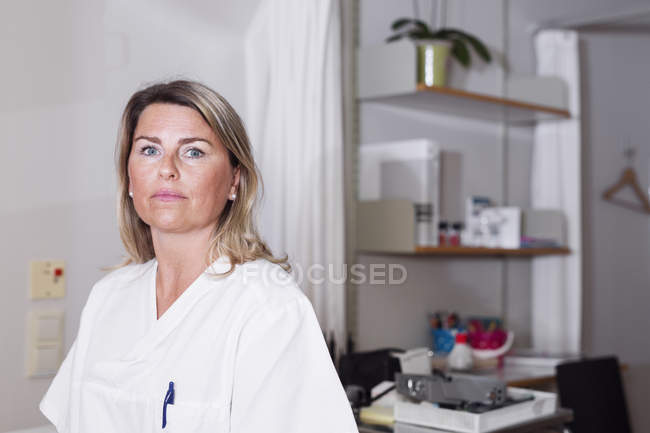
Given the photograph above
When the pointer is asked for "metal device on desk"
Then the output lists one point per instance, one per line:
(453, 390)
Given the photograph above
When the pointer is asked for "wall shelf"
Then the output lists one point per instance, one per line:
(388, 228)
(387, 75)
(477, 252)
(450, 101)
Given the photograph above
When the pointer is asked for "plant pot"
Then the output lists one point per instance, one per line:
(432, 58)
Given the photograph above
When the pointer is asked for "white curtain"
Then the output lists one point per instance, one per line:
(294, 117)
(555, 184)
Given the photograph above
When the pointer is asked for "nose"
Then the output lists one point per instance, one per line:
(168, 169)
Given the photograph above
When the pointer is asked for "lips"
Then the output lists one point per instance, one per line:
(168, 195)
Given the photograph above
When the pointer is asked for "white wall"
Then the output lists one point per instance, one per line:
(68, 68)
(618, 240)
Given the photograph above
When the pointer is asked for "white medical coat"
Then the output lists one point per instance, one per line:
(245, 353)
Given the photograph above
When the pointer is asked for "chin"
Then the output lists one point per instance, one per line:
(171, 225)
(169, 228)
(176, 222)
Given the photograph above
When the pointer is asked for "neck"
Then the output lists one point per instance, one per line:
(181, 259)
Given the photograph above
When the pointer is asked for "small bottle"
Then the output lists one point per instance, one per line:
(442, 233)
(454, 234)
(460, 357)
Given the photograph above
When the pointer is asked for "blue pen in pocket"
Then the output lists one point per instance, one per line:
(169, 399)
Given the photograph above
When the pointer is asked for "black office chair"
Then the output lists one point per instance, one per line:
(593, 389)
(367, 369)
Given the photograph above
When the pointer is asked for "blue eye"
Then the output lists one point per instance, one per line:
(194, 153)
(148, 150)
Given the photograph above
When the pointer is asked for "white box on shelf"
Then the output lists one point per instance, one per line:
(503, 226)
(407, 170)
(545, 224)
(428, 415)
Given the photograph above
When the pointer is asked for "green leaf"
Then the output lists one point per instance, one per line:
(419, 35)
(439, 34)
(395, 37)
(478, 46)
(443, 34)
(422, 26)
(399, 23)
(460, 52)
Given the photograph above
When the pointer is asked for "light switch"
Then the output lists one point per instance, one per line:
(44, 342)
(46, 360)
(47, 279)
(48, 326)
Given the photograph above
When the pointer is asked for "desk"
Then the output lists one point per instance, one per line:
(514, 376)
(521, 376)
(557, 421)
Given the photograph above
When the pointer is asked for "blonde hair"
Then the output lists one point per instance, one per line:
(235, 234)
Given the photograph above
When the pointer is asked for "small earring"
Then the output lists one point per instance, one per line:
(233, 196)
(131, 194)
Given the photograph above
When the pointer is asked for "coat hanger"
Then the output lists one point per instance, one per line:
(628, 178)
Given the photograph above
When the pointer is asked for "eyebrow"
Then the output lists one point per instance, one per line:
(181, 141)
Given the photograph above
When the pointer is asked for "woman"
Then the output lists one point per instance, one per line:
(202, 329)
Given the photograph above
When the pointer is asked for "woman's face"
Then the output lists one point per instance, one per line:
(179, 172)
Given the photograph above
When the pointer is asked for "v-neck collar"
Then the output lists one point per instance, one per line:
(160, 328)
(129, 364)
(222, 264)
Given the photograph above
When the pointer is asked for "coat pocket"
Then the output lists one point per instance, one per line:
(190, 417)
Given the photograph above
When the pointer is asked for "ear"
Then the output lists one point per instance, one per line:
(128, 178)
(235, 180)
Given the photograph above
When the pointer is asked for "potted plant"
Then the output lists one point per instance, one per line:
(434, 46)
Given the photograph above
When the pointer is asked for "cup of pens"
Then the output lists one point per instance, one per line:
(444, 327)
(485, 335)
